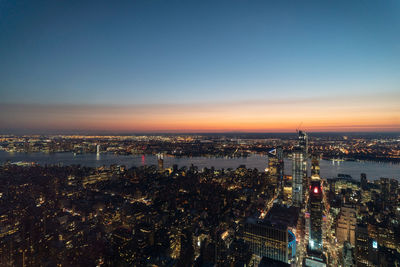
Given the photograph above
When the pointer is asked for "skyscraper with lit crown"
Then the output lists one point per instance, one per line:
(315, 207)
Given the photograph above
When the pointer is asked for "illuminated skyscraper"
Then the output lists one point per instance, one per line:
(297, 177)
(299, 170)
(303, 144)
(385, 191)
(275, 167)
(315, 170)
(346, 225)
(279, 154)
(303, 141)
(274, 236)
(315, 206)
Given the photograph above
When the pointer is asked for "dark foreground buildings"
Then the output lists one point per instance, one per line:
(273, 237)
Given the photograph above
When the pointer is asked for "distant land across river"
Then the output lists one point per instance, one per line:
(329, 169)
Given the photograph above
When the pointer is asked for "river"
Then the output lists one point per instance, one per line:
(374, 170)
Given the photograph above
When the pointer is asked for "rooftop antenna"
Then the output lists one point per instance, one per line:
(298, 127)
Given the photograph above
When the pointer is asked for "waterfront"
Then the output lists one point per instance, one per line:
(374, 170)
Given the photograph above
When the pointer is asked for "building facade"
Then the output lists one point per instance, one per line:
(346, 225)
(297, 177)
(315, 207)
(274, 241)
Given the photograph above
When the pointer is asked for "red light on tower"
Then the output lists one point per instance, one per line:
(316, 191)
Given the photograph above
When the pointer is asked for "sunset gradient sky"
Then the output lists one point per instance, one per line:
(199, 66)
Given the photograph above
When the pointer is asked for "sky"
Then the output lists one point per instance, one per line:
(199, 66)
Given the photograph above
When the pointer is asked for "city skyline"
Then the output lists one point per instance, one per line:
(199, 67)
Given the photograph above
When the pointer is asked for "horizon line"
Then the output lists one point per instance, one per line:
(117, 133)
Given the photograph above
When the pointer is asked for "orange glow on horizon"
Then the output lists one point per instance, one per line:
(373, 113)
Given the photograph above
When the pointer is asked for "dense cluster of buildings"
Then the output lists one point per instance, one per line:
(73, 216)
(335, 222)
(157, 216)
